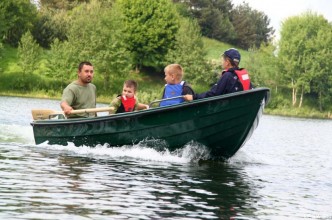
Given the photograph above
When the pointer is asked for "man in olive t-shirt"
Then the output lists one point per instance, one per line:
(81, 93)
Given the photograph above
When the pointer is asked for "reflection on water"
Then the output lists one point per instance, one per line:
(65, 185)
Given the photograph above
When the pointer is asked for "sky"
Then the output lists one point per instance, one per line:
(279, 10)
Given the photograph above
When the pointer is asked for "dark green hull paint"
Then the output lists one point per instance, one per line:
(221, 123)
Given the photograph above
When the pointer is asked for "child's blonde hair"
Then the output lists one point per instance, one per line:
(175, 69)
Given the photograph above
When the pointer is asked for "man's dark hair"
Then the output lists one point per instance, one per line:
(80, 66)
(131, 83)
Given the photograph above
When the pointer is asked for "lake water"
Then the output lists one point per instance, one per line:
(283, 172)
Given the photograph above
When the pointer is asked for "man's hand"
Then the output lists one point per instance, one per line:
(66, 108)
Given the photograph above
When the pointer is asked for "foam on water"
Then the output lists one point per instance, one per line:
(148, 150)
(191, 152)
(16, 134)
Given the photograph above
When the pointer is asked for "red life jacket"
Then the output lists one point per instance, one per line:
(243, 76)
(128, 103)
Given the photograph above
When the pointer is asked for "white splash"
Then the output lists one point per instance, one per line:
(189, 153)
(16, 134)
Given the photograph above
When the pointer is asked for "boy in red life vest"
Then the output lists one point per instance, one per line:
(175, 86)
(233, 78)
(127, 101)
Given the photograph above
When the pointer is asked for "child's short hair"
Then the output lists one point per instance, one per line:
(175, 69)
(131, 83)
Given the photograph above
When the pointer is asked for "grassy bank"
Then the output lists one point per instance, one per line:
(304, 112)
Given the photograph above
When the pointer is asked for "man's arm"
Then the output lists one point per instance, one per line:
(66, 107)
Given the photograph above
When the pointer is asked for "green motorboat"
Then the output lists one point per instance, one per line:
(221, 123)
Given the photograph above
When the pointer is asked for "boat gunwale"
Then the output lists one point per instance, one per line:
(127, 115)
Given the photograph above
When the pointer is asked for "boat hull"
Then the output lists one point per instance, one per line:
(221, 123)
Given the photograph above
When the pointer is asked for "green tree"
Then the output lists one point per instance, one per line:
(28, 52)
(50, 24)
(213, 17)
(251, 27)
(1, 48)
(17, 17)
(321, 67)
(262, 66)
(304, 51)
(28, 57)
(216, 25)
(99, 40)
(150, 28)
(61, 4)
(190, 54)
(60, 61)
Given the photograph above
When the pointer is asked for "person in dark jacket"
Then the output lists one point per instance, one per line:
(233, 78)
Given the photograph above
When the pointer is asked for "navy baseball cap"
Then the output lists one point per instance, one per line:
(233, 54)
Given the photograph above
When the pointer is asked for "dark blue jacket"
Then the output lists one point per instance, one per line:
(228, 83)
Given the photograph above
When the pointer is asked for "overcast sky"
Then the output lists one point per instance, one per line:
(279, 10)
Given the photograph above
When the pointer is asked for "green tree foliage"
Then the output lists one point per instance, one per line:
(53, 20)
(1, 48)
(28, 52)
(95, 34)
(251, 27)
(28, 58)
(17, 17)
(241, 26)
(305, 51)
(60, 61)
(60, 4)
(213, 17)
(50, 25)
(262, 66)
(216, 25)
(321, 47)
(1, 54)
(150, 28)
(189, 52)
(182, 9)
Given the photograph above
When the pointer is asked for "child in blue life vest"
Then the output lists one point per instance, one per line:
(175, 86)
(127, 101)
(233, 78)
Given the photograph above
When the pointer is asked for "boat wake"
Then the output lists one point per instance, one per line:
(16, 134)
(147, 150)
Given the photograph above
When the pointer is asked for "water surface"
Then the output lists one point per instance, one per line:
(283, 172)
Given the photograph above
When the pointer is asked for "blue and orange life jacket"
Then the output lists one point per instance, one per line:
(171, 91)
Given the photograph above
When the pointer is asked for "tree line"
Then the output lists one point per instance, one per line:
(120, 36)
(240, 26)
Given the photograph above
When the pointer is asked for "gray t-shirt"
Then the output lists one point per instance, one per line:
(80, 97)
